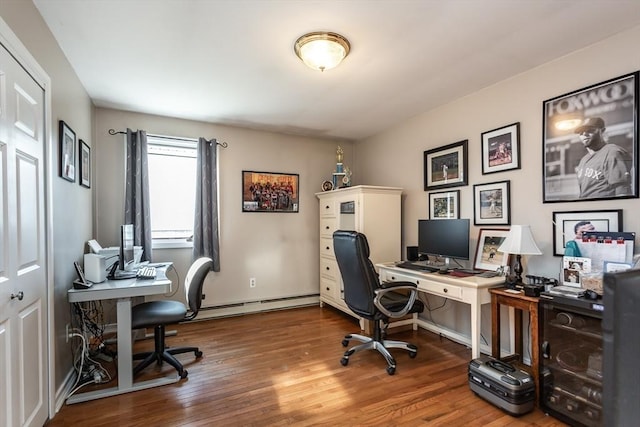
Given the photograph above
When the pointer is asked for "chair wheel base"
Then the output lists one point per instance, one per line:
(344, 361)
(183, 374)
(391, 370)
(198, 353)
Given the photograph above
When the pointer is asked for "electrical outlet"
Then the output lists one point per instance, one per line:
(252, 282)
(67, 332)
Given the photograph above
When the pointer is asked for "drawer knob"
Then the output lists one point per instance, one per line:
(327, 227)
(328, 248)
(326, 207)
(328, 288)
(446, 290)
(327, 268)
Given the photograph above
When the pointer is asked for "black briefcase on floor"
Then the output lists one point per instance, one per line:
(503, 385)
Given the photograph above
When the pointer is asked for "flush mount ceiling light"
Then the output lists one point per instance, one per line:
(322, 50)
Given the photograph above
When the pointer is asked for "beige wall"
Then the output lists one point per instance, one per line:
(71, 203)
(280, 250)
(395, 157)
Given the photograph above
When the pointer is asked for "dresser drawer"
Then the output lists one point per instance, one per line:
(328, 207)
(326, 247)
(328, 226)
(329, 268)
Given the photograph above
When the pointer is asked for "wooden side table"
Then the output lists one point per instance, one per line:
(520, 302)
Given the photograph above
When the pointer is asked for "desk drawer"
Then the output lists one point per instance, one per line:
(424, 285)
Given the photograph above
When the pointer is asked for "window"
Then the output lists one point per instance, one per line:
(172, 190)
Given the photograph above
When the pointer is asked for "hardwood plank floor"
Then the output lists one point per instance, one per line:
(283, 368)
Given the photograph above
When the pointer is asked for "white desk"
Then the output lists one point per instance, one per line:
(470, 290)
(123, 291)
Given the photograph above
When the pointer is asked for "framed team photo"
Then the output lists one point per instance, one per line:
(270, 192)
(590, 142)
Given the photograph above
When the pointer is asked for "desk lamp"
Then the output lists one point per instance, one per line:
(519, 242)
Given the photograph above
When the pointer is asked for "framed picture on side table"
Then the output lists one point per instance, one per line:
(487, 255)
(570, 225)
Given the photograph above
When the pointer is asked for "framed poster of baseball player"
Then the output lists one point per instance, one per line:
(590, 142)
(446, 166)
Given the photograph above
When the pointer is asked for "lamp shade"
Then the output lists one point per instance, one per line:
(520, 241)
(322, 50)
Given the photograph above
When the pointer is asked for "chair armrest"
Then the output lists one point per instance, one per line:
(395, 286)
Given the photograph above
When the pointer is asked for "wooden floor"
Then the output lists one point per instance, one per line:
(283, 368)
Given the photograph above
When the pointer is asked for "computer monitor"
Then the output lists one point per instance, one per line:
(126, 247)
(448, 238)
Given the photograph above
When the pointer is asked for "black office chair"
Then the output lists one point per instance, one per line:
(158, 314)
(370, 299)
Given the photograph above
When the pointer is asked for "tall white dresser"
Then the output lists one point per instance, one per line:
(373, 211)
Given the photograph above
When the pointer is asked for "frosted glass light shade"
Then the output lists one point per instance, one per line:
(322, 51)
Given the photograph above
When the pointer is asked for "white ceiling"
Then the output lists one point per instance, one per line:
(232, 61)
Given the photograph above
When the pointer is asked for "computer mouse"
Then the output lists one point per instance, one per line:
(590, 294)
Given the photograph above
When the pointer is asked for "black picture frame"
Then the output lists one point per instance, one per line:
(492, 203)
(444, 205)
(565, 222)
(270, 192)
(570, 171)
(67, 153)
(501, 149)
(85, 164)
(446, 166)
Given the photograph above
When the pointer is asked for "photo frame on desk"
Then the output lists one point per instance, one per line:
(487, 256)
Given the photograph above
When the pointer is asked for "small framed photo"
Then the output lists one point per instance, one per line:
(590, 142)
(492, 203)
(572, 270)
(570, 225)
(67, 141)
(446, 166)
(85, 164)
(444, 205)
(487, 255)
(501, 149)
(270, 192)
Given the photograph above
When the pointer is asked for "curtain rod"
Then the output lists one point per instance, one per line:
(223, 144)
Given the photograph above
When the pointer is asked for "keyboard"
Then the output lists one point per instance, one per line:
(469, 271)
(146, 273)
(419, 267)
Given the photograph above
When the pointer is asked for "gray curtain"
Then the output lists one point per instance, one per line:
(205, 228)
(136, 206)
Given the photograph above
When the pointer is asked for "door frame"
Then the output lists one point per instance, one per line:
(15, 47)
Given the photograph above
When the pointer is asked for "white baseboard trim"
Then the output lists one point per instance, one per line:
(256, 306)
(65, 388)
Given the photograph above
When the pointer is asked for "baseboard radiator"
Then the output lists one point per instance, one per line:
(258, 306)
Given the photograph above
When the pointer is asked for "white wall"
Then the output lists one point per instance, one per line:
(71, 203)
(395, 157)
(281, 250)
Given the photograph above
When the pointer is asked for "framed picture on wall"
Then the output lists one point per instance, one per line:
(85, 164)
(492, 203)
(67, 142)
(444, 205)
(570, 225)
(446, 166)
(590, 142)
(270, 192)
(501, 149)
